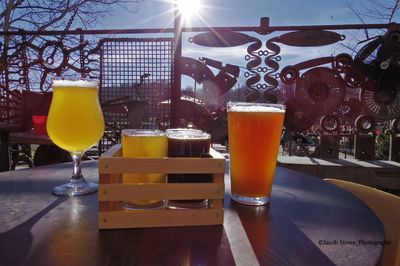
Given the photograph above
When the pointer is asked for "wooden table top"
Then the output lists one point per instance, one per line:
(308, 222)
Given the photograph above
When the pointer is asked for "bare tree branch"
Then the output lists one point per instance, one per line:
(350, 6)
(369, 11)
(396, 6)
(39, 15)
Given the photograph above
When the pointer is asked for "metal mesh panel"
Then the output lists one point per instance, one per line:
(134, 69)
(10, 107)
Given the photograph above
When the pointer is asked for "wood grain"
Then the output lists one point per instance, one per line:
(112, 163)
(160, 218)
(160, 191)
(38, 228)
(112, 192)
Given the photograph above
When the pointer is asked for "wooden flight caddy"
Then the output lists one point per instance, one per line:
(112, 192)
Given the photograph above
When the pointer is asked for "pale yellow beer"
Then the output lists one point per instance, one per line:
(75, 121)
(142, 143)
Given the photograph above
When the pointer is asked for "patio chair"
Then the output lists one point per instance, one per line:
(21, 136)
(387, 207)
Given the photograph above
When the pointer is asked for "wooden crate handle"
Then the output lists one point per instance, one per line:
(160, 191)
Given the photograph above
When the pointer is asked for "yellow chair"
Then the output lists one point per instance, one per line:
(387, 207)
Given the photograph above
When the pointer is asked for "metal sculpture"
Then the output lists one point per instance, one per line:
(199, 70)
(310, 38)
(327, 94)
(222, 38)
(318, 92)
(378, 63)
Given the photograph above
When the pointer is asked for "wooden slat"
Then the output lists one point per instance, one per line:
(110, 178)
(114, 151)
(109, 205)
(154, 191)
(111, 162)
(216, 154)
(159, 218)
(216, 203)
(161, 165)
(219, 178)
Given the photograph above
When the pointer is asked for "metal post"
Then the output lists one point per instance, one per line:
(394, 149)
(4, 152)
(328, 146)
(364, 146)
(176, 88)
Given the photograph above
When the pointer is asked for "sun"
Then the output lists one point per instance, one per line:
(188, 8)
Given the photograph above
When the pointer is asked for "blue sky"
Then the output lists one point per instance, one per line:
(235, 13)
(158, 14)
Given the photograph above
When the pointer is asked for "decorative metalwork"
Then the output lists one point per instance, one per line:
(321, 89)
(310, 38)
(330, 94)
(221, 38)
(378, 67)
(199, 70)
(253, 66)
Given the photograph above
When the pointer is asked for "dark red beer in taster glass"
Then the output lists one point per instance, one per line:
(188, 143)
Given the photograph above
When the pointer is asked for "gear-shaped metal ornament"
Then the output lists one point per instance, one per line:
(383, 105)
(322, 89)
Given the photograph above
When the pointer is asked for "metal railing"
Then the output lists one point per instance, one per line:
(327, 94)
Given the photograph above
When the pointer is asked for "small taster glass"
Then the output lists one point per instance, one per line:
(143, 143)
(186, 143)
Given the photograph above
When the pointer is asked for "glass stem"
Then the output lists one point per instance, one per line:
(76, 158)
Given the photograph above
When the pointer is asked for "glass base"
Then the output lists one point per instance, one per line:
(187, 204)
(76, 188)
(255, 201)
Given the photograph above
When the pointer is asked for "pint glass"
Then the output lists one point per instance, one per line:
(254, 136)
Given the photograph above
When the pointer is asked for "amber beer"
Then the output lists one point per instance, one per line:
(254, 136)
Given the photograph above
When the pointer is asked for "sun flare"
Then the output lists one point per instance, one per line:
(188, 8)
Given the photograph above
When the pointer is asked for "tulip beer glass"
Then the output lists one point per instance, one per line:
(254, 136)
(75, 123)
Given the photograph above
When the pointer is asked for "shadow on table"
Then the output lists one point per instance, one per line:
(288, 245)
(15, 187)
(16, 243)
(203, 245)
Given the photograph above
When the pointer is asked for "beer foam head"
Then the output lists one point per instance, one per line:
(85, 83)
(255, 107)
(189, 135)
(142, 132)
